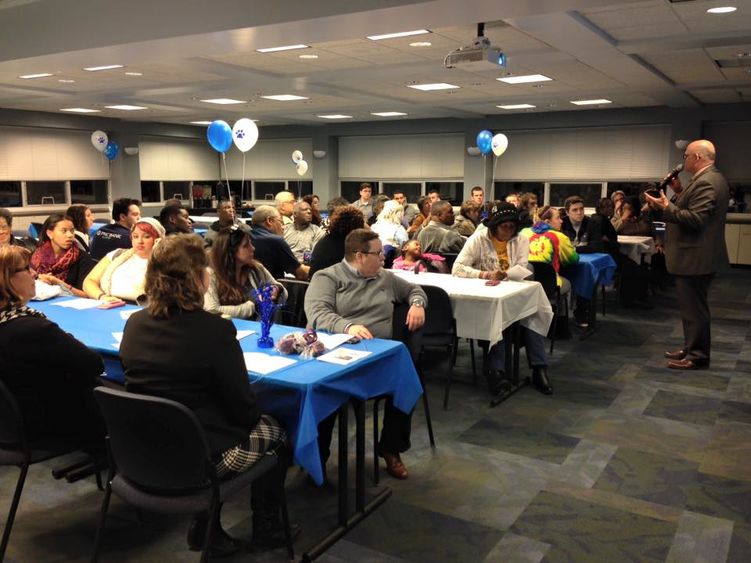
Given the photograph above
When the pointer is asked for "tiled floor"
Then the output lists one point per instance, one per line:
(627, 461)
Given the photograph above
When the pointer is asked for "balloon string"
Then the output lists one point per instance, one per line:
(226, 177)
(242, 183)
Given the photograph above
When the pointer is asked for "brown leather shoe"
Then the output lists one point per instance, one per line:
(677, 355)
(687, 364)
(394, 466)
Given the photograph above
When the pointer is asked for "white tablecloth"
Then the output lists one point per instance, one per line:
(483, 312)
(634, 247)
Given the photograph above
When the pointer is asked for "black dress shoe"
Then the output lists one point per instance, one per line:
(541, 381)
(222, 544)
(688, 364)
(264, 539)
(677, 355)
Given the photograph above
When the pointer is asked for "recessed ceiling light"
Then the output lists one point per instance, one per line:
(311, 56)
(435, 86)
(590, 102)
(282, 48)
(66, 80)
(335, 116)
(722, 10)
(224, 101)
(285, 97)
(133, 73)
(201, 122)
(387, 113)
(517, 106)
(104, 67)
(80, 110)
(32, 76)
(398, 34)
(126, 107)
(420, 44)
(524, 79)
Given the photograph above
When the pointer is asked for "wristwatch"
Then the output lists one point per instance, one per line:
(417, 303)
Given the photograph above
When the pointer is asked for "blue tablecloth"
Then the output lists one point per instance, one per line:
(591, 270)
(300, 395)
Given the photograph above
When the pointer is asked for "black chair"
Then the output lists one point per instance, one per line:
(160, 461)
(545, 274)
(16, 450)
(293, 312)
(412, 340)
(450, 258)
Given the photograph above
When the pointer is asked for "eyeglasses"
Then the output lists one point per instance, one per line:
(379, 253)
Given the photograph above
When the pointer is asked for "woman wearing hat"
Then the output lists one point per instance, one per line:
(121, 274)
(487, 255)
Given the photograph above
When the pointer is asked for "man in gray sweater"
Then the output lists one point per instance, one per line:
(439, 235)
(356, 296)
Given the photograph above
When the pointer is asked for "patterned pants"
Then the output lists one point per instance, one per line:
(267, 438)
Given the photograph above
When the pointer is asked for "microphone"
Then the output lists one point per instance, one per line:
(669, 178)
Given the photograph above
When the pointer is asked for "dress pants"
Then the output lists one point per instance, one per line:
(534, 344)
(691, 292)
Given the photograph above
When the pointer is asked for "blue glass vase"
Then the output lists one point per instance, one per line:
(266, 307)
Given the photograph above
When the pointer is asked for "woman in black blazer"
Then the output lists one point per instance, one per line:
(176, 350)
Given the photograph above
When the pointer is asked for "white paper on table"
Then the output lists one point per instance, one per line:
(81, 303)
(125, 315)
(243, 333)
(518, 273)
(343, 356)
(118, 336)
(264, 363)
(331, 341)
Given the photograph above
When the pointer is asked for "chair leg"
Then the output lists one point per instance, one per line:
(472, 355)
(102, 520)
(13, 508)
(376, 467)
(426, 406)
(554, 327)
(211, 525)
(285, 521)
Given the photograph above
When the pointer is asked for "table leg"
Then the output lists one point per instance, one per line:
(591, 315)
(343, 464)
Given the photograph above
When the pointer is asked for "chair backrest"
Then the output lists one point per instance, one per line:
(545, 274)
(439, 316)
(11, 419)
(293, 312)
(156, 443)
(450, 258)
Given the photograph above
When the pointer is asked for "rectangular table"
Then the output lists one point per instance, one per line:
(638, 248)
(483, 312)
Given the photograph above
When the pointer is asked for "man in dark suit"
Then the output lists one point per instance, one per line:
(695, 248)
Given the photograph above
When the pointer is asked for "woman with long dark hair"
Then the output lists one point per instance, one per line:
(83, 219)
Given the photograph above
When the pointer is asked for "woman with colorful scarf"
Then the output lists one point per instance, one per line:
(548, 244)
(48, 372)
(58, 260)
(121, 274)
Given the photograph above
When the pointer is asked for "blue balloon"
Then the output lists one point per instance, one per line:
(219, 135)
(112, 150)
(485, 141)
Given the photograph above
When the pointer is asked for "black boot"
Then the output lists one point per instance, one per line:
(541, 381)
(222, 544)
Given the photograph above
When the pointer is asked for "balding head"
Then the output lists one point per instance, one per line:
(267, 217)
(698, 155)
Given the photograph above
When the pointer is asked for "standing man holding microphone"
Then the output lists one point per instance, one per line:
(695, 248)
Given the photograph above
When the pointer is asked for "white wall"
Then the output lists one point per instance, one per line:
(176, 160)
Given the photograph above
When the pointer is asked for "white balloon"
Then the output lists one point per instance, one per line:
(245, 134)
(499, 144)
(99, 139)
(296, 156)
(302, 168)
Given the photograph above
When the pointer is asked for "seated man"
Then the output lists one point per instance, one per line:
(356, 297)
(175, 219)
(469, 217)
(575, 223)
(271, 249)
(438, 235)
(285, 202)
(302, 235)
(226, 218)
(125, 214)
(487, 255)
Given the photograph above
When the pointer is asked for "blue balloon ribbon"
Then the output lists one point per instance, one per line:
(219, 135)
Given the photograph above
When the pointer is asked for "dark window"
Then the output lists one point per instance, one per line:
(180, 190)
(45, 193)
(740, 196)
(242, 189)
(150, 192)
(590, 193)
(502, 189)
(300, 187)
(629, 188)
(267, 190)
(10, 194)
(351, 190)
(412, 190)
(202, 193)
(450, 191)
(88, 192)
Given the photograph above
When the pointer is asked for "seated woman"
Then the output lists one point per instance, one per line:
(487, 255)
(121, 274)
(469, 217)
(413, 257)
(6, 233)
(388, 225)
(549, 245)
(50, 373)
(58, 260)
(176, 350)
(330, 249)
(421, 219)
(315, 207)
(83, 219)
(234, 273)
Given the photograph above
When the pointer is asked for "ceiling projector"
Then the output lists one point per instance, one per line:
(481, 55)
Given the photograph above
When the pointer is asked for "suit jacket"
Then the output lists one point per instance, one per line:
(193, 358)
(695, 230)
